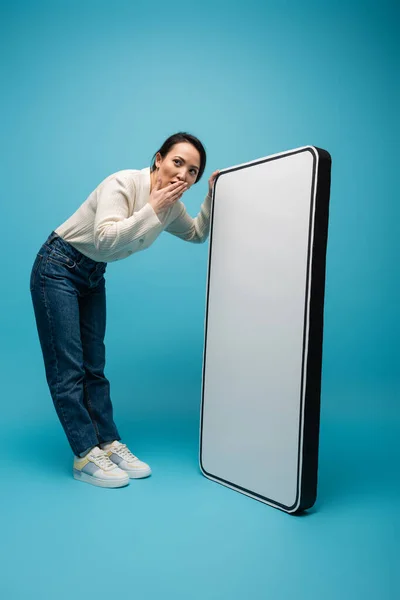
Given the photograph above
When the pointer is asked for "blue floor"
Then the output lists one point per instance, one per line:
(178, 535)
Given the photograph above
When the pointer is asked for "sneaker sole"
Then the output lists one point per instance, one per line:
(99, 482)
(138, 474)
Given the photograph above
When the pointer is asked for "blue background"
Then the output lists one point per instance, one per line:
(90, 88)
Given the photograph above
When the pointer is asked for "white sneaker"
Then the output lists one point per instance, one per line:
(96, 468)
(121, 455)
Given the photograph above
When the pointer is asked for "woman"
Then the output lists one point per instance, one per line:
(123, 215)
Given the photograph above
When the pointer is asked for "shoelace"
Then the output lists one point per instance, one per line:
(104, 462)
(124, 452)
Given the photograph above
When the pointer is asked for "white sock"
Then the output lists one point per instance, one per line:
(106, 445)
(82, 454)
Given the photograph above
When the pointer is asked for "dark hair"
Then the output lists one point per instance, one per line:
(176, 138)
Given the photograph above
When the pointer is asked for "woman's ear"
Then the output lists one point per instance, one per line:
(158, 160)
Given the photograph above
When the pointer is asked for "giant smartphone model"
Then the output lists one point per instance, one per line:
(260, 406)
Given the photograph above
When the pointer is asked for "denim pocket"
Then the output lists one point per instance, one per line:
(59, 258)
(35, 268)
(97, 275)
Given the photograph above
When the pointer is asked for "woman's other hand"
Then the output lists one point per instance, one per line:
(211, 182)
(162, 198)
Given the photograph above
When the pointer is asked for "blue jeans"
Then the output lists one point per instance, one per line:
(69, 300)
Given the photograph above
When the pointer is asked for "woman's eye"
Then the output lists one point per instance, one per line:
(178, 162)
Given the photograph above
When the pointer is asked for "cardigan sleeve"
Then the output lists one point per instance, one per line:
(190, 229)
(116, 223)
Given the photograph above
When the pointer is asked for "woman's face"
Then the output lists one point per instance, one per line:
(182, 163)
